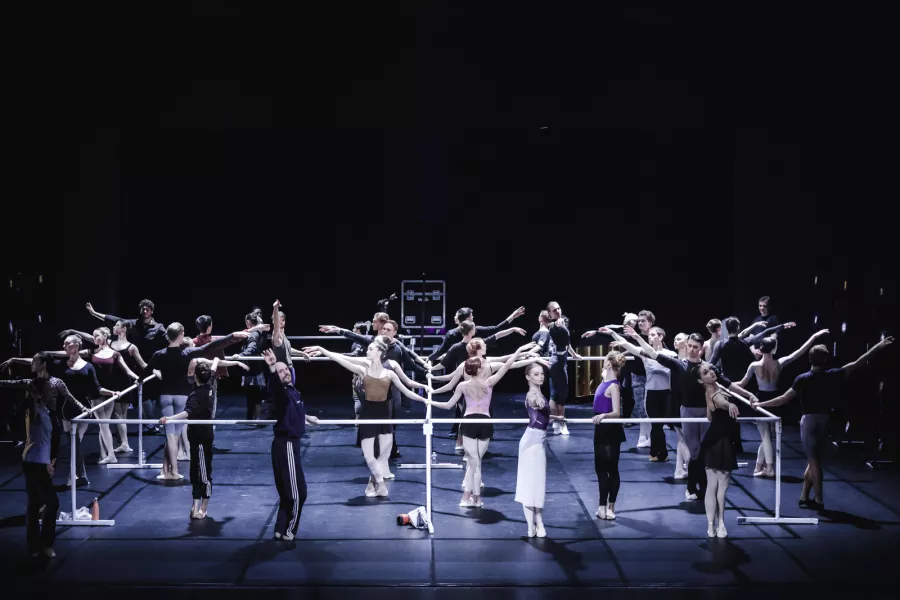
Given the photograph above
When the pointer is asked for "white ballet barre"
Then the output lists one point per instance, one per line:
(777, 519)
(140, 464)
(72, 442)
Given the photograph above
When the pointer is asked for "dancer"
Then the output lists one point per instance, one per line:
(714, 327)
(531, 478)
(734, 355)
(46, 396)
(148, 335)
(81, 378)
(171, 367)
(377, 381)
(693, 404)
(559, 374)
(718, 450)
(767, 372)
(608, 437)
(818, 391)
(287, 467)
(204, 324)
(765, 316)
(545, 346)
(199, 408)
(119, 378)
(466, 314)
(112, 373)
(476, 436)
(254, 381)
(646, 320)
(104, 362)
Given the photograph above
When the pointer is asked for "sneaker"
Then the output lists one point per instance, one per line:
(643, 442)
(601, 513)
(689, 496)
(381, 491)
(370, 489)
(288, 536)
(467, 503)
(610, 515)
(478, 504)
(540, 531)
(277, 536)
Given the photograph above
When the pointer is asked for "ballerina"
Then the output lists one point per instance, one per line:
(476, 436)
(377, 381)
(531, 479)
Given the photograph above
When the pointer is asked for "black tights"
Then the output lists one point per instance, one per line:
(606, 464)
(255, 397)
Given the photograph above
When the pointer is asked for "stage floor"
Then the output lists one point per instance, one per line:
(657, 544)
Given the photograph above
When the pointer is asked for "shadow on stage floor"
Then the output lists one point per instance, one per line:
(349, 543)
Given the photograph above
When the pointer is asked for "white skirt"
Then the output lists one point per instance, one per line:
(531, 483)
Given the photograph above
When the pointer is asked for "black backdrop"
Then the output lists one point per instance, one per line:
(683, 162)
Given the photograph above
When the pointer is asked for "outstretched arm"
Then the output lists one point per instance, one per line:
(96, 314)
(755, 339)
(849, 368)
(277, 332)
(506, 332)
(403, 389)
(406, 380)
(121, 362)
(651, 353)
(16, 360)
(752, 326)
(786, 360)
(457, 375)
(782, 399)
(493, 379)
(449, 403)
(339, 358)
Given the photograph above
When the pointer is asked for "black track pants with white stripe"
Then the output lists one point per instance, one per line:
(290, 483)
(201, 441)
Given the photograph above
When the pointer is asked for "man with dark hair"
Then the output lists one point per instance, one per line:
(149, 336)
(204, 325)
(765, 315)
(733, 354)
(466, 314)
(818, 392)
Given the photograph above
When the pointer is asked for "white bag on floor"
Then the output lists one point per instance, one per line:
(82, 514)
(419, 518)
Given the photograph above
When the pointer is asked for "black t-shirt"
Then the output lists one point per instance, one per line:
(686, 376)
(560, 335)
(818, 391)
(771, 320)
(735, 356)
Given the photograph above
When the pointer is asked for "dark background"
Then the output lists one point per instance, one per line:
(679, 159)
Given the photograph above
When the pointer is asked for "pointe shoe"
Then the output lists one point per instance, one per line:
(389, 475)
(370, 489)
(381, 491)
(770, 472)
(710, 531)
(601, 513)
(680, 475)
(721, 532)
(478, 503)
(759, 473)
(201, 514)
(540, 531)
(610, 515)
(183, 456)
(459, 449)
(531, 532)
(464, 503)
(563, 430)
(123, 448)
(108, 460)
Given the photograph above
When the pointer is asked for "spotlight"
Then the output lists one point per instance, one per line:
(815, 319)
(845, 285)
(844, 327)
(816, 280)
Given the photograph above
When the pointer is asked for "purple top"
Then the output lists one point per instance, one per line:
(602, 404)
(538, 418)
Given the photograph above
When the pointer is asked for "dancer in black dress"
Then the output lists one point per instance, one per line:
(718, 450)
